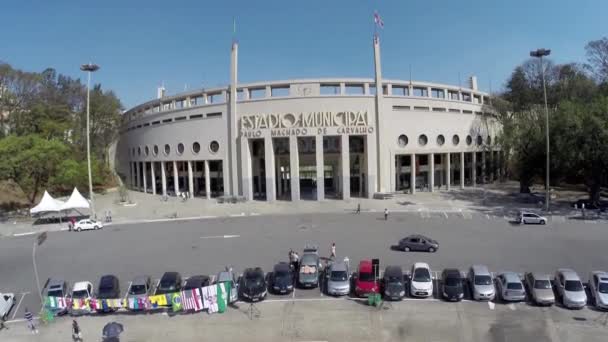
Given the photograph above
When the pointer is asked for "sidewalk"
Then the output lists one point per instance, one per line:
(494, 199)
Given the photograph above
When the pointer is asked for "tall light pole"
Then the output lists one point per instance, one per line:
(540, 53)
(39, 241)
(89, 68)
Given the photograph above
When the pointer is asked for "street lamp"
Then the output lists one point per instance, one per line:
(540, 53)
(89, 68)
(39, 241)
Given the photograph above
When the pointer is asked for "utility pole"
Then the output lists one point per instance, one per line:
(89, 68)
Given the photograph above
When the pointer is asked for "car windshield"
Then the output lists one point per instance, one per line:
(452, 281)
(55, 293)
(422, 275)
(573, 285)
(338, 276)
(603, 288)
(514, 286)
(366, 276)
(394, 280)
(282, 274)
(80, 294)
(483, 280)
(253, 278)
(137, 289)
(167, 285)
(542, 284)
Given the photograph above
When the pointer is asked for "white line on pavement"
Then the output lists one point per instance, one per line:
(491, 305)
(25, 234)
(237, 215)
(19, 304)
(220, 236)
(254, 214)
(512, 306)
(445, 214)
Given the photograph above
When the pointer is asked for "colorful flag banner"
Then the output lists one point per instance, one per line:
(378, 20)
(176, 301)
(192, 299)
(158, 300)
(210, 298)
(222, 297)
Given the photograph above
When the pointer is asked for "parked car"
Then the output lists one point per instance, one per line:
(281, 279)
(108, 288)
(253, 284)
(452, 288)
(393, 286)
(87, 224)
(228, 277)
(60, 289)
(539, 288)
(140, 288)
(365, 279)
(338, 278)
(421, 281)
(418, 242)
(481, 283)
(510, 287)
(7, 301)
(528, 218)
(308, 273)
(598, 288)
(570, 288)
(81, 292)
(169, 282)
(197, 282)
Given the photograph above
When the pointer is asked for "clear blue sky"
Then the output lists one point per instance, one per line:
(139, 43)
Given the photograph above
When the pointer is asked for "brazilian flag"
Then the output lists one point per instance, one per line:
(176, 302)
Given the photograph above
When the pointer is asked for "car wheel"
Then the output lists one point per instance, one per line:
(406, 249)
(431, 249)
(96, 227)
(79, 229)
(543, 222)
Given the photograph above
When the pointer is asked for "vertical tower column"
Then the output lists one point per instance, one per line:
(483, 167)
(371, 165)
(163, 175)
(190, 179)
(138, 177)
(320, 164)
(144, 178)
(474, 169)
(384, 176)
(412, 173)
(462, 170)
(294, 168)
(269, 159)
(345, 154)
(231, 170)
(153, 172)
(175, 178)
(431, 172)
(448, 171)
(246, 169)
(207, 180)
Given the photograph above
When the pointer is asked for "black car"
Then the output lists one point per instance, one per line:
(197, 282)
(452, 285)
(169, 282)
(253, 284)
(281, 279)
(392, 285)
(418, 242)
(108, 288)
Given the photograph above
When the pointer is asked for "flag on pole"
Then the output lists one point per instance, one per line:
(378, 20)
(222, 297)
(192, 299)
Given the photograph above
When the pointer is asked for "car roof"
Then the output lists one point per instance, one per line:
(338, 266)
(602, 275)
(56, 282)
(170, 275)
(282, 266)
(511, 277)
(81, 285)
(541, 276)
(197, 279)
(417, 236)
(480, 269)
(224, 276)
(140, 280)
(452, 272)
(568, 274)
(393, 271)
(253, 270)
(421, 265)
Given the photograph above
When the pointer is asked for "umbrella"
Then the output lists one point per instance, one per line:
(112, 330)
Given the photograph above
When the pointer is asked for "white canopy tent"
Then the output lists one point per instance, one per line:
(47, 204)
(76, 201)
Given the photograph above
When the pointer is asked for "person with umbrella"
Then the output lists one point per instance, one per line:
(112, 331)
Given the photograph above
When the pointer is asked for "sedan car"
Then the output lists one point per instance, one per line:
(7, 301)
(510, 287)
(58, 288)
(169, 282)
(528, 218)
(87, 224)
(365, 280)
(197, 282)
(108, 288)
(570, 288)
(310, 266)
(418, 243)
(138, 291)
(598, 287)
(338, 279)
(452, 288)
(253, 284)
(281, 279)
(539, 288)
(392, 283)
(481, 283)
(421, 282)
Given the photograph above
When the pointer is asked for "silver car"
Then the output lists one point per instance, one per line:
(138, 291)
(570, 288)
(598, 287)
(510, 287)
(229, 276)
(539, 288)
(338, 279)
(481, 283)
(528, 218)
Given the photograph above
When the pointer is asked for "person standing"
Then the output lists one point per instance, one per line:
(333, 250)
(30, 321)
(385, 214)
(76, 333)
(358, 208)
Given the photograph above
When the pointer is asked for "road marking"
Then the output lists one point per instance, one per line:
(254, 214)
(19, 304)
(220, 237)
(487, 216)
(237, 215)
(491, 305)
(25, 234)
(20, 320)
(512, 306)
(445, 214)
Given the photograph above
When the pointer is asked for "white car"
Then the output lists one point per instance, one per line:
(7, 300)
(421, 281)
(527, 218)
(87, 224)
(598, 287)
(81, 293)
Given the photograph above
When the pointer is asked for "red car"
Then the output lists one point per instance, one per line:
(365, 282)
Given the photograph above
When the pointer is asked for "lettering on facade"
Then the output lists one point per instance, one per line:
(312, 123)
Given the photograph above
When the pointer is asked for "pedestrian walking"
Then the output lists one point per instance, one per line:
(358, 208)
(30, 321)
(385, 214)
(583, 209)
(76, 333)
(333, 250)
(2, 325)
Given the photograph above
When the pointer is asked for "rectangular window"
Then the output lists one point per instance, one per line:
(437, 93)
(466, 97)
(196, 116)
(419, 91)
(354, 89)
(281, 91)
(486, 99)
(146, 124)
(384, 90)
(467, 112)
(401, 107)
(424, 109)
(155, 123)
(372, 89)
(257, 93)
(452, 110)
(199, 101)
(453, 95)
(478, 113)
(438, 109)
(138, 126)
(167, 120)
(214, 115)
(240, 95)
(215, 98)
(401, 91)
(179, 104)
(330, 89)
(180, 118)
(476, 99)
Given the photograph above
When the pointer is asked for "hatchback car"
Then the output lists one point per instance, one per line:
(481, 283)
(59, 289)
(528, 218)
(253, 284)
(510, 287)
(281, 278)
(7, 301)
(169, 282)
(392, 285)
(452, 288)
(138, 291)
(197, 282)
(598, 287)
(87, 224)
(570, 288)
(338, 279)
(228, 276)
(308, 272)
(421, 282)
(365, 279)
(418, 243)
(539, 288)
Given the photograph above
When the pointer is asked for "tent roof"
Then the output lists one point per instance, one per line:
(47, 203)
(76, 201)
